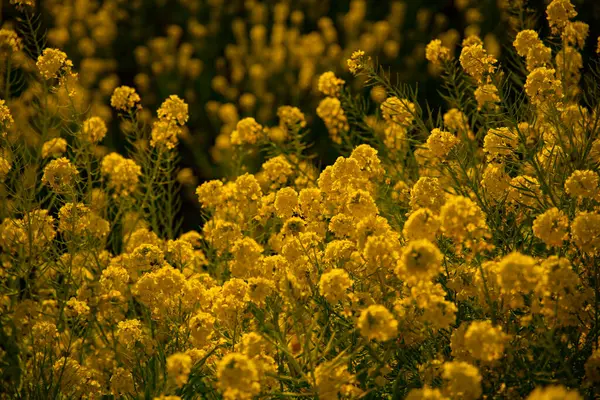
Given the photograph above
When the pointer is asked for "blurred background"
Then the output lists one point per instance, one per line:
(230, 59)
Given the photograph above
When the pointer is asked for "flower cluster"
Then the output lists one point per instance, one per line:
(431, 254)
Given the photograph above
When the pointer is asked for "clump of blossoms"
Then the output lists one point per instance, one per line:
(122, 173)
(94, 129)
(172, 116)
(10, 41)
(436, 52)
(331, 112)
(6, 118)
(443, 254)
(247, 131)
(543, 87)
(125, 98)
(329, 84)
(60, 175)
(476, 62)
(377, 323)
(54, 64)
(357, 61)
(54, 147)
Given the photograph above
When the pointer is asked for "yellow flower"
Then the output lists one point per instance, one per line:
(357, 61)
(6, 119)
(583, 184)
(179, 366)
(173, 110)
(164, 133)
(484, 341)
(291, 119)
(247, 131)
(368, 162)
(334, 380)
(456, 120)
(210, 194)
(331, 112)
(525, 40)
(496, 182)
(552, 227)
(53, 63)
(286, 202)
(75, 308)
(9, 41)
(361, 205)
(543, 87)
(427, 193)
(121, 382)
(441, 142)
(585, 231)
(237, 377)
(333, 285)
(377, 323)
(54, 147)
(398, 111)
(525, 191)
(246, 257)
(129, 332)
(435, 52)
(94, 129)
(559, 12)
(426, 393)
(419, 260)
(500, 142)
(23, 3)
(463, 221)
(125, 98)
(486, 96)
(476, 62)
(5, 168)
(518, 273)
(329, 84)
(592, 367)
(421, 224)
(461, 380)
(60, 175)
(553, 392)
(123, 174)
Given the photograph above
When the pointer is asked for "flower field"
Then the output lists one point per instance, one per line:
(321, 200)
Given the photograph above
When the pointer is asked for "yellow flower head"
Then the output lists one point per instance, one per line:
(419, 260)
(331, 112)
(179, 366)
(333, 285)
(559, 12)
(9, 41)
(94, 129)
(125, 98)
(329, 84)
(60, 175)
(54, 147)
(122, 173)
(435, 52)
(173, 110)
(441, 142)
(377, 323)
(238, 377)
(554, 392)
(247, 131)
(357, 61)
(53, 63)
(552, 227)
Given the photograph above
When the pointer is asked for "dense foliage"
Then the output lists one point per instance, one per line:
(448, 253)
